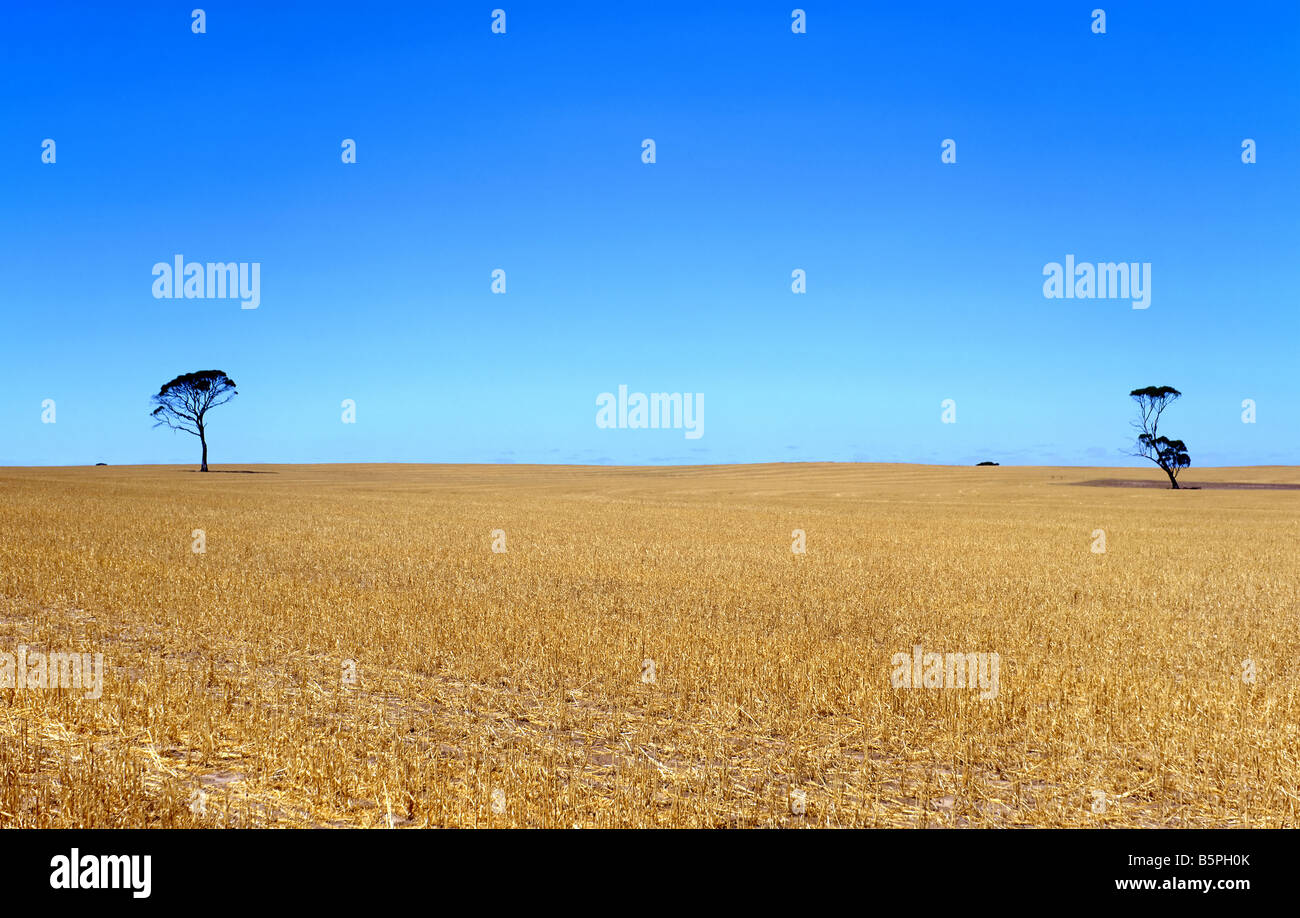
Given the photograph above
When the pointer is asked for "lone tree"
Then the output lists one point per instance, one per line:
(183, 403)
(1170, 455)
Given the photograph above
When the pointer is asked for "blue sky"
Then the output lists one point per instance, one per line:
(775, 151)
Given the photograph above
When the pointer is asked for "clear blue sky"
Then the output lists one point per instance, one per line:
(775, 151)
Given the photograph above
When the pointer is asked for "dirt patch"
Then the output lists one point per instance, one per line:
(1204, 485)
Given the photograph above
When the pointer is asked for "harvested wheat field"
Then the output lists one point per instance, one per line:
(649, 649)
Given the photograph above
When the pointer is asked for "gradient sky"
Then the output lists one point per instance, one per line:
(775, 151)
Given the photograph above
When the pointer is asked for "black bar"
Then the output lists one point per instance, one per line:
(369, 868)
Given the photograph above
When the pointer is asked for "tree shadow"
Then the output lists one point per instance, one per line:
(228, 472)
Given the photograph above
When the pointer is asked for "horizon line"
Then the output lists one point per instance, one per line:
(610, 465)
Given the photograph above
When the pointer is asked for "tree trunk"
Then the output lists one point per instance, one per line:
(204, 441)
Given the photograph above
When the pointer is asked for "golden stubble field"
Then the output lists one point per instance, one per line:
(1154, 684)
